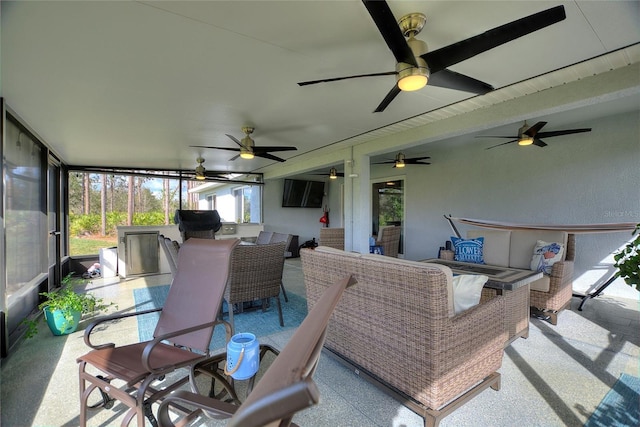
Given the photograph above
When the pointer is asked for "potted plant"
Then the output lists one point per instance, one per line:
(627, 261)
(64, 307)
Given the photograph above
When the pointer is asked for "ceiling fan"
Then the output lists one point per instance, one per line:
(248, 149)
(201, 173)
(333, 174)
(401, 161)
(531, 135)
(416, 66)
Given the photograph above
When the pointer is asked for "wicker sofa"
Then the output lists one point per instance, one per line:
(514, 248)
(397, 327)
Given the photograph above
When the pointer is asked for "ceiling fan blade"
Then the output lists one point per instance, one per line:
(384, 163)
(210, 174)
(234, 139)
(388, 27)
(562, 132)
(415, 160)
(266, 149)
(533, 130)
(452, 80)
(357, 76)
(447, 56)
(340, 174)
(495, 136)
(504, 143)
(539, 143)
(387, 99)
(269, 156)
(217, 148)
(234, 157)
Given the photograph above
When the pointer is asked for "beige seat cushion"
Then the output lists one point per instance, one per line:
(541, 284)
(495, 250)
(523, 242)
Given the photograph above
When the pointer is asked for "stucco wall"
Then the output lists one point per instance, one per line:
(577, 179)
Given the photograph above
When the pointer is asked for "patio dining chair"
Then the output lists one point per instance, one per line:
(332, 237)
(264, 237)
(180, 340)
(389, 239)
(256, 274)
(287, 385)
(170, 249)
(283, 237)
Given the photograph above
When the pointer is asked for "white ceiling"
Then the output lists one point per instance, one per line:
(136, 83)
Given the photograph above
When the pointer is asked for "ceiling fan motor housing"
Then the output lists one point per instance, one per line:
(411, 25)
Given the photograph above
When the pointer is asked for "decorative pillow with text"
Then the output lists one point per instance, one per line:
(468, 250)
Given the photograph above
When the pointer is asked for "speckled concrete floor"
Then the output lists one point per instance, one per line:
(556, 377)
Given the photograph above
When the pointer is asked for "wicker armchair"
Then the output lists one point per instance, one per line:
(560, 291)
(332, 237)
(389, 239)
(398, 327)
(256, 274)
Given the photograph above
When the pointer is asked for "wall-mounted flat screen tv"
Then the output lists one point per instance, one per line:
(299, 193)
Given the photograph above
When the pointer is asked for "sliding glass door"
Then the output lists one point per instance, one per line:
(388, 206)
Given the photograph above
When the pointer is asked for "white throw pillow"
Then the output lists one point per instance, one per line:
(467, 289)
(546, 254)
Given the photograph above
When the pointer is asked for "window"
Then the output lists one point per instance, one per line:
(25, 211)
(100, 202)
(211, 202)
(239, 201)
(248, 203)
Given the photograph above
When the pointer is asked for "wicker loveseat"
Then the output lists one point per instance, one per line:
(397, 327)
(514, 248)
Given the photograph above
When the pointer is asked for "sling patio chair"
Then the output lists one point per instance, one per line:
(181, 337)
(287, 385)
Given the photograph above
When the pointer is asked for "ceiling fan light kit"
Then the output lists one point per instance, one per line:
(399, 161)
(523, 138)
(246, 153)
(333, 173)
(412, 78)
(200, 169)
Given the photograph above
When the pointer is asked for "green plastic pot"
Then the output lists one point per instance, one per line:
(59, 323)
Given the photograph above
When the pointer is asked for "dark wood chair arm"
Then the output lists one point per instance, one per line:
(107, 318)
